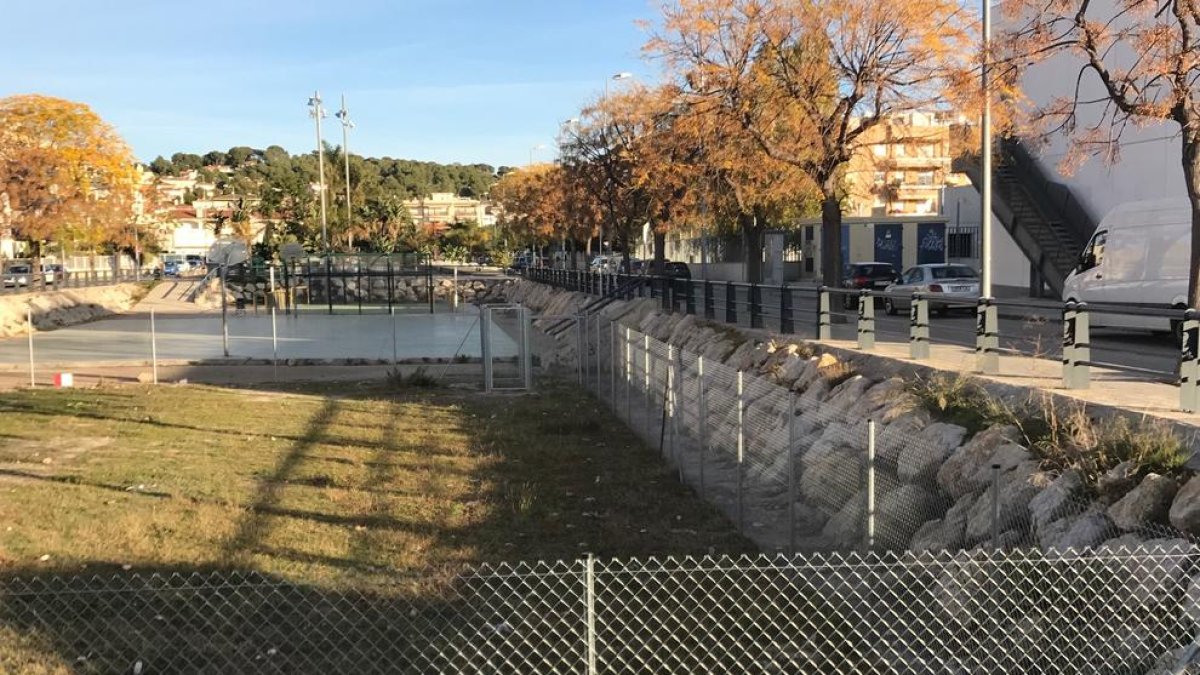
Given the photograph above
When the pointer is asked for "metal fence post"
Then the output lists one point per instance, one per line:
(755, 306)
(791, 451)
(669, 403)
(918, 327)
(628, 376)
(590, 594)
(741, 448)
(646, 384)
(1083, 347)
(730, 302)
(154, 347)
(689, 299)
(987, 338)
(710, 311)
(824, 320)
(1189, 362)
(870, 510)
(995, 506)
(1068, 345)
(866, 320)
(580, 346)
(786, 322)
(274, 347)
(392, 311)
(485, 334)
(526, 354)
(29, 325)
(703, 421)
(612, 363)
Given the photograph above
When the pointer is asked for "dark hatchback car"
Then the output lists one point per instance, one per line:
(677, 270)
(873, 276)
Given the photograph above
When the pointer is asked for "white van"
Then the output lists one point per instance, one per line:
(1137, 256)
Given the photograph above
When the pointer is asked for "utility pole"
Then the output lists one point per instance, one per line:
(317, 112)
(347, 125)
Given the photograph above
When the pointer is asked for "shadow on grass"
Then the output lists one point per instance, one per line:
(550, 485)
(224, 621)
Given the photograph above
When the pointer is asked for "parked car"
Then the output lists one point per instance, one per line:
(54, 272)
(869, 275)
(1138, 255)
(677, 270)
(171, 268)
(195, 262)
(938, 281)
(18, 275)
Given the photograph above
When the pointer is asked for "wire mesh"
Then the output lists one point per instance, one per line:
(1106, 609)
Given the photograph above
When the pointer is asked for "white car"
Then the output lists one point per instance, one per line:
(18, 275)
(936, 281)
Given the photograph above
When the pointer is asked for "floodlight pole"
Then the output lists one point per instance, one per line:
(347, 125)
(317, 112)
(224, 323)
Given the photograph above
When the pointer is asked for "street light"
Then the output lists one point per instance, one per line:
(347, 125)
(539, 146)
(615, 78)
(985, 225)
(317, 112)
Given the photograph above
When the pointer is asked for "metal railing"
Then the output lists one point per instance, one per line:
(16, 283)
(822, 313)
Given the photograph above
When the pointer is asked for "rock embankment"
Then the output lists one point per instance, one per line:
(55, 309)
(375, 290)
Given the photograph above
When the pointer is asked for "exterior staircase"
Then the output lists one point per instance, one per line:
(1047, 223)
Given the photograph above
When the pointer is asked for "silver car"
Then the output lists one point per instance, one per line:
(18, 275)
(937, 280)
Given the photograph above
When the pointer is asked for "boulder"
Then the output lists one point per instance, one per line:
(1185, 509)
(1016, 489)
(846, 528)
(1057, 500)
(946, 533)
(846, 395)
(924, 454)
(963, 463)
(901, 513)
(1087, 530)
(1147, 503)
(894, 437)
(1151, 575)
(928, 537)
(830, 481)
(1117, 480)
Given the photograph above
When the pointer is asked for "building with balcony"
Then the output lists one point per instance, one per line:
(903, 167)
(441, 209)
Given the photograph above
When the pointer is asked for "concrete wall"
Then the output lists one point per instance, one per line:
(1149, 166)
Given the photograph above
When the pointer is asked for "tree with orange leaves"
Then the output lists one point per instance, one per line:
(531, 199)
(61, 167)
(807, 78)
(1135, 62)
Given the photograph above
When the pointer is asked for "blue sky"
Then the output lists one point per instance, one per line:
(442, 80)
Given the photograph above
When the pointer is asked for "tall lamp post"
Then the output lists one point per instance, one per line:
(347, 125)
(316, 111)
(985, 225)
(616, 77)
(533, 149)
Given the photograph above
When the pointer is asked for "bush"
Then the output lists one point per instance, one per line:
(1061, 436)
(419, 378)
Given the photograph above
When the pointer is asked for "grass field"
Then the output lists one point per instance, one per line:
(326, 488)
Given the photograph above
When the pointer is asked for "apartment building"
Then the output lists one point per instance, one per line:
(904, 167)
(444, 208)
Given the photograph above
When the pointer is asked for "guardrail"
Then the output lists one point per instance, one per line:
(14, 284)
(813, 312)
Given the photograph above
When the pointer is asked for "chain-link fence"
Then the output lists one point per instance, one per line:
(1108, 610)
(835, 461)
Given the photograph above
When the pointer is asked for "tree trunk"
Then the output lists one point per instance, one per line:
(1191, 175)
(831, 239)
(660, 253)
(752, 240)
